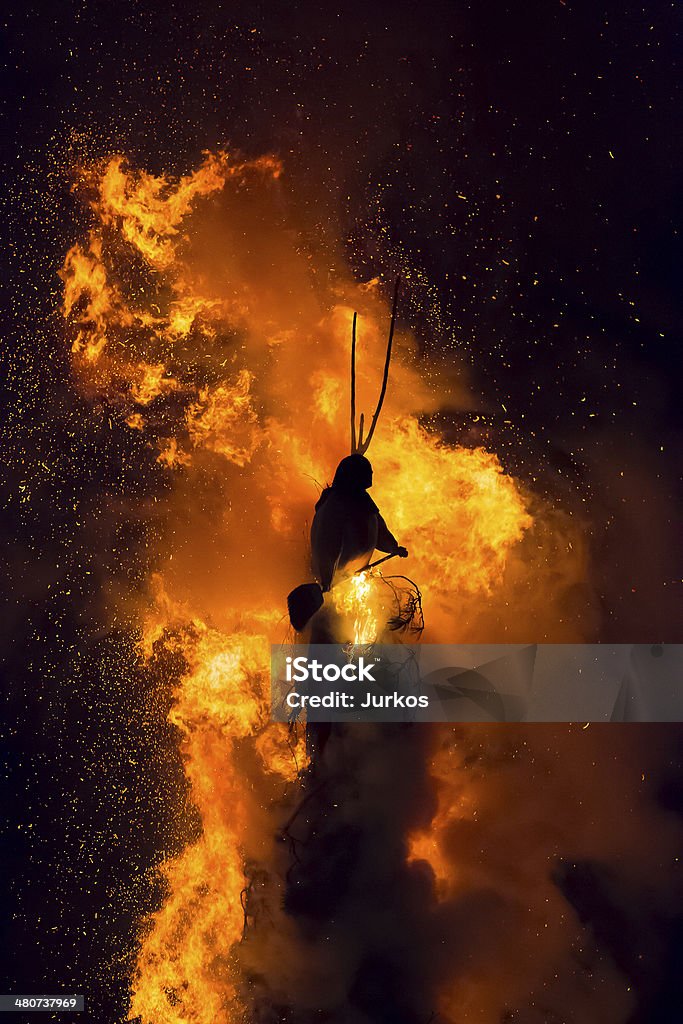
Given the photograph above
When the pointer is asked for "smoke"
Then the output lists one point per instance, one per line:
(550, 900)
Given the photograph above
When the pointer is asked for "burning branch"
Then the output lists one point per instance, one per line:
(360, 445)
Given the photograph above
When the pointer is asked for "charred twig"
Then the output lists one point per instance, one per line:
(292, 840)
(300, 806)
(412, 616)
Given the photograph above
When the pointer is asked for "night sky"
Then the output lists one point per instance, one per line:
(524, 161)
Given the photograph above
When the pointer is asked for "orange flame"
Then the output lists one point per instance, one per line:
(456, 802)
(86, 285)
(149, 210)
(223, 420)
(170, 455)
(221, 699)
(152, 382)
(459, 513)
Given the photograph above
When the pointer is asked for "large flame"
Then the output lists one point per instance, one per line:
(185, 968)
(198, 313)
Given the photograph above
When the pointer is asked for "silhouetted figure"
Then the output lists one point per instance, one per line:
(348, 526)
(346, 529)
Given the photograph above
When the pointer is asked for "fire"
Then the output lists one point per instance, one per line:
(186, 970)
(223, 420)
(462, 512)
(328, 396)
(224, 685)
(355, 599)
(236, 355)
(135, 421)
(188, 310)
(457, 800)
(148, 213)
(426, 846)
(170, 455)
(91, 300)
(152, 382)
(149, 210)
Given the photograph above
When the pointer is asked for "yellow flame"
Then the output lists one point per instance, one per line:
(355, 599)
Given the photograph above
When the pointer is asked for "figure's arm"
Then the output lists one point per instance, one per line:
(327, 535)
(386, 540)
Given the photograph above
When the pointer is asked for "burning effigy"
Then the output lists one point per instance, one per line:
(346, 530)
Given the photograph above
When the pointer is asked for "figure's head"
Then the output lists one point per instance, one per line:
(354, 473)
